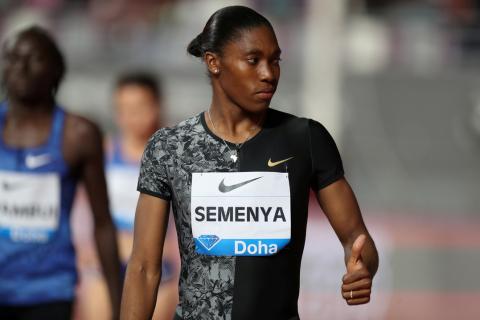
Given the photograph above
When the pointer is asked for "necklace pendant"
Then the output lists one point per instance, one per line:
(234, 156)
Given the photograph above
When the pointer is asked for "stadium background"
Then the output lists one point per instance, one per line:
(396, 83)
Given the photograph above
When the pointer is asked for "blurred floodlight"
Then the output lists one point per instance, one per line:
(423, 46)
(22, 19)
(367, 47)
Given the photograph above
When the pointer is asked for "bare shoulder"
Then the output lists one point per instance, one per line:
(79, 128)
(82, 139)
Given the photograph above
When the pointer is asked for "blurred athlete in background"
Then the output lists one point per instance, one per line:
(137, 113)
(44, 152)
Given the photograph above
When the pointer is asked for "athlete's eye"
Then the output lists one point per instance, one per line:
(276, 61)
(252, 60)
(38, 58)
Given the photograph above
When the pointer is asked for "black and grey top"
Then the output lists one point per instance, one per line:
(240, 287)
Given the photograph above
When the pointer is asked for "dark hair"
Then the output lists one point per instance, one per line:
(223, 26)
(53, 50)
(142, 79)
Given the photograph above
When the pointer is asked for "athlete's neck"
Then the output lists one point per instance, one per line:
(235, 126)
(21, 110)
(231, 122)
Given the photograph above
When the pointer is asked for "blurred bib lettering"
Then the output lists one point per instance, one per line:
(29, 206)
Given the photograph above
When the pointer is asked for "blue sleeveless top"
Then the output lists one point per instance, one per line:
(122, 177)
(37, 258)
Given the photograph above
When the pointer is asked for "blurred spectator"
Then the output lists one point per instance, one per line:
(466, 14)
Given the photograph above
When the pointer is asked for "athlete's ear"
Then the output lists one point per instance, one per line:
(213, 62)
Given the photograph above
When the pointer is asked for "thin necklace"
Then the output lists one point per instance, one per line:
(233, 153)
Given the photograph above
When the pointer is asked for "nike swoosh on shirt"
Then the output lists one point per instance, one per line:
(223, 188)
(33, 162)
(273, 164)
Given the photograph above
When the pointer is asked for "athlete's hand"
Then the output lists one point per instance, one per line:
(357, 282)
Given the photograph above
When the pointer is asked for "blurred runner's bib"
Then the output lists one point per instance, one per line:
(29, 206)
(240, 213)
(122, 181)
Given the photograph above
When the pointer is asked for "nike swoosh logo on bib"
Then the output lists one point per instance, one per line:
(223, 188)
(276, 163)
(33, 162)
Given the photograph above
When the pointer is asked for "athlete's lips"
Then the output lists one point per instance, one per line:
(266, 94)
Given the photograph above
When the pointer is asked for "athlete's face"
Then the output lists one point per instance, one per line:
(29, 69)
(249, 68)
(137, 111)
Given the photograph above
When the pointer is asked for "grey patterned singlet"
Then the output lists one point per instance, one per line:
(239, 288)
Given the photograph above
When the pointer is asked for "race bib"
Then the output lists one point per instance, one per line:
(122, 182)
(29, 206)
(240, 213)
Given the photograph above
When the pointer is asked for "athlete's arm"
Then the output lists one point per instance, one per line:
(144, 269)
(361, 258)
(87, 141)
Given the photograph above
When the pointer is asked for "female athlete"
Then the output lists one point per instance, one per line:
(238, 178)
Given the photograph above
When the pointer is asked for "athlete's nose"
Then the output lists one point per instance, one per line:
(19, 64)
(267, 72)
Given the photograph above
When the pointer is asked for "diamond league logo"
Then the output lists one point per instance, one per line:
(208, 241)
